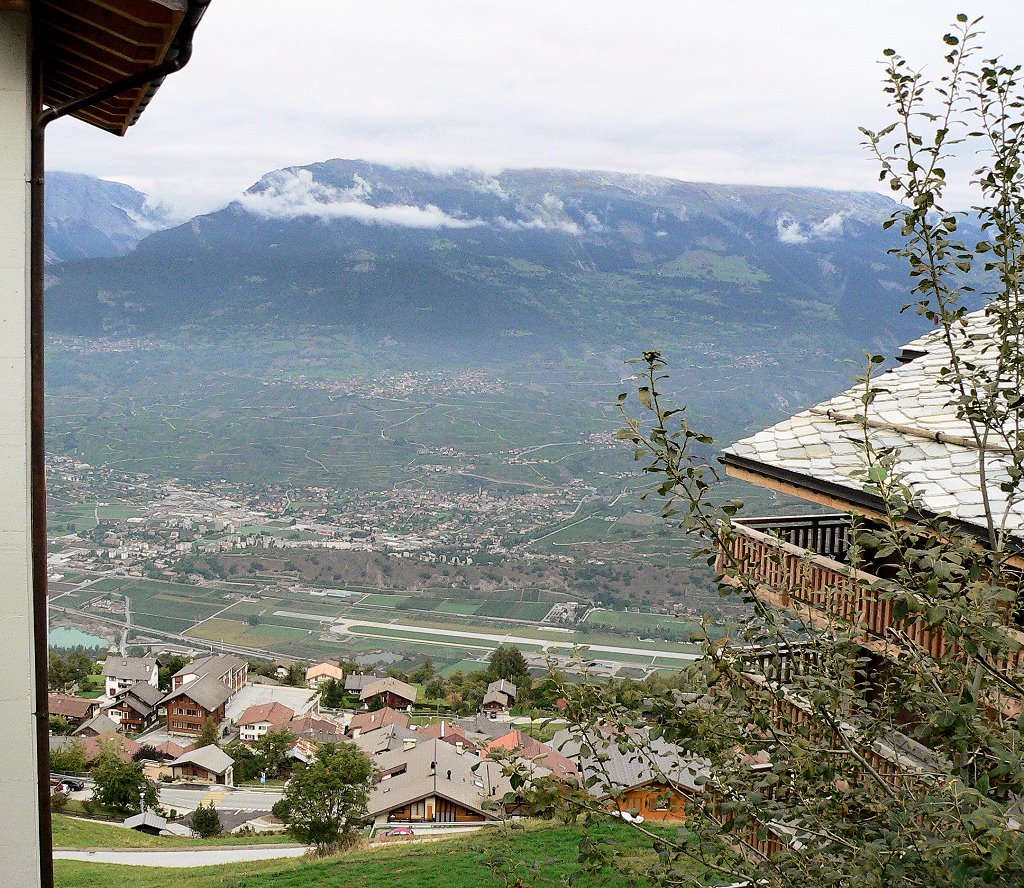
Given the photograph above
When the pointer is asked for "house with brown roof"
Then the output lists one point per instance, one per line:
(321, 672)
(365, 722)
(136, 708)
(76, 710)
(388, 691)
(315, 728)
(258, 720)
(433, 782)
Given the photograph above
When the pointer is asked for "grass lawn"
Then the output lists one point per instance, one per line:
(73, 832)
(442, 864)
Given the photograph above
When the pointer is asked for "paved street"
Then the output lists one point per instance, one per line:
(224, 798)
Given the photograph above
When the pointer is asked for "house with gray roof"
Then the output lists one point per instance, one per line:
(388, 691)
(434, 782)
(499, 698)
(120, 673)
(194, 704)
(136, 708)
(208, 764)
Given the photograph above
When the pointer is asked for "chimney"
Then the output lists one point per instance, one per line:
(442, 729)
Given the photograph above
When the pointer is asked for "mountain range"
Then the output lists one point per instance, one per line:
(88, 217)
(517, 262)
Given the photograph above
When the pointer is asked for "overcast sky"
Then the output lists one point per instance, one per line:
(727, 91)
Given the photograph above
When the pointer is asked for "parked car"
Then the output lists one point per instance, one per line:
(399, 831)
(67, 786)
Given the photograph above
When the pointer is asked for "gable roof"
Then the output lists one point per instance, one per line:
(424, 771)
(449, 733)
(359, 680)
(142, 692)
(324, 670)
(128, 668)
(209, 692)
(315, 727)
(617, 769)
(503, 686)
(540, 755)
(69, 706)
(275, 714)
(365, 722)
(388, 685)
(211, 758)
(215, 665)
(125, 747)
(912, 413)
(98, 724)
(389, 739)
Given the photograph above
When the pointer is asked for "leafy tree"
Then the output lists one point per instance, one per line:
(325, 802)
(332, 694)
(59, 725)
(271, 751)
(886, 756)
(436, 688)
(507, 661)
(120, 785)
(423, 673)
(168, 667)
(209, 735)
(69, 759)
(248, 765)
(68, 672)
(206, 821)
(295, 677)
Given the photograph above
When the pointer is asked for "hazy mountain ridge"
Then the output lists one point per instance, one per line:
(521, 260)
(88, 217)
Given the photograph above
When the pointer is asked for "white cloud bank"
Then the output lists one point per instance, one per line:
(294, 194)
(790, 231)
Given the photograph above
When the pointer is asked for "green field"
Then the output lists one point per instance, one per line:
(449, 863)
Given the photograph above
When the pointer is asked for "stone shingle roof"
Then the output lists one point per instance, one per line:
(911, 413)
(388, 685)
(207, 691)
(129, 668)
(211, 758)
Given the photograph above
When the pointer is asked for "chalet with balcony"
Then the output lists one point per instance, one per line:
(229, 670)
(434, 782)
(76, 710)
(499, 698)
(136, 709)
(803, 563)
(194, 704)
(259, 720)
(388, 692)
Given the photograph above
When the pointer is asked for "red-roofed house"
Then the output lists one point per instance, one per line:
(364, 722)
(448, 732)
(125, 747)
(526, 748)
(258, 720)
(317, 675)
(77, 710)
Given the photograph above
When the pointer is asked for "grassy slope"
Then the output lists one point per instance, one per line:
(73, 832)
(443, 864)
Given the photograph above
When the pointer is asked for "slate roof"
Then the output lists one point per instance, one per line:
(128, 668)
(142, 697)
(449, 732)
(315, 727)
(208, 691)
(359, 680)
(503, 686)
(215, 664)
(540, 755)
(211, 758)
(423, 771)
(388, 685)
(617, 770)
(389, 739)
(98, 724)
(911, 413)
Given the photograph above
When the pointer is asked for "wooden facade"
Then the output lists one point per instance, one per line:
(185, 716)
(655, 801)
(434, 809)
(830, 594)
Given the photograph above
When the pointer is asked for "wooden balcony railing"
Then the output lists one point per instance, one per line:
(809, 573)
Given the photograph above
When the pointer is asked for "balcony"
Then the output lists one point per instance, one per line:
(798, 564)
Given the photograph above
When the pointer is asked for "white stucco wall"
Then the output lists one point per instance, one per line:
(19, 836)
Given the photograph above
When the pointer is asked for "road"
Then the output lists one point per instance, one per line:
(185, 858)
(351, 627)
(226, 799)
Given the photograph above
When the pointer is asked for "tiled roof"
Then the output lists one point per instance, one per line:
(365, 722)
(912, 413)
(69, 706)
(275, 714)
(324, 669)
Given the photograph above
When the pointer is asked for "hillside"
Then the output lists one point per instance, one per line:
(526, 261)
